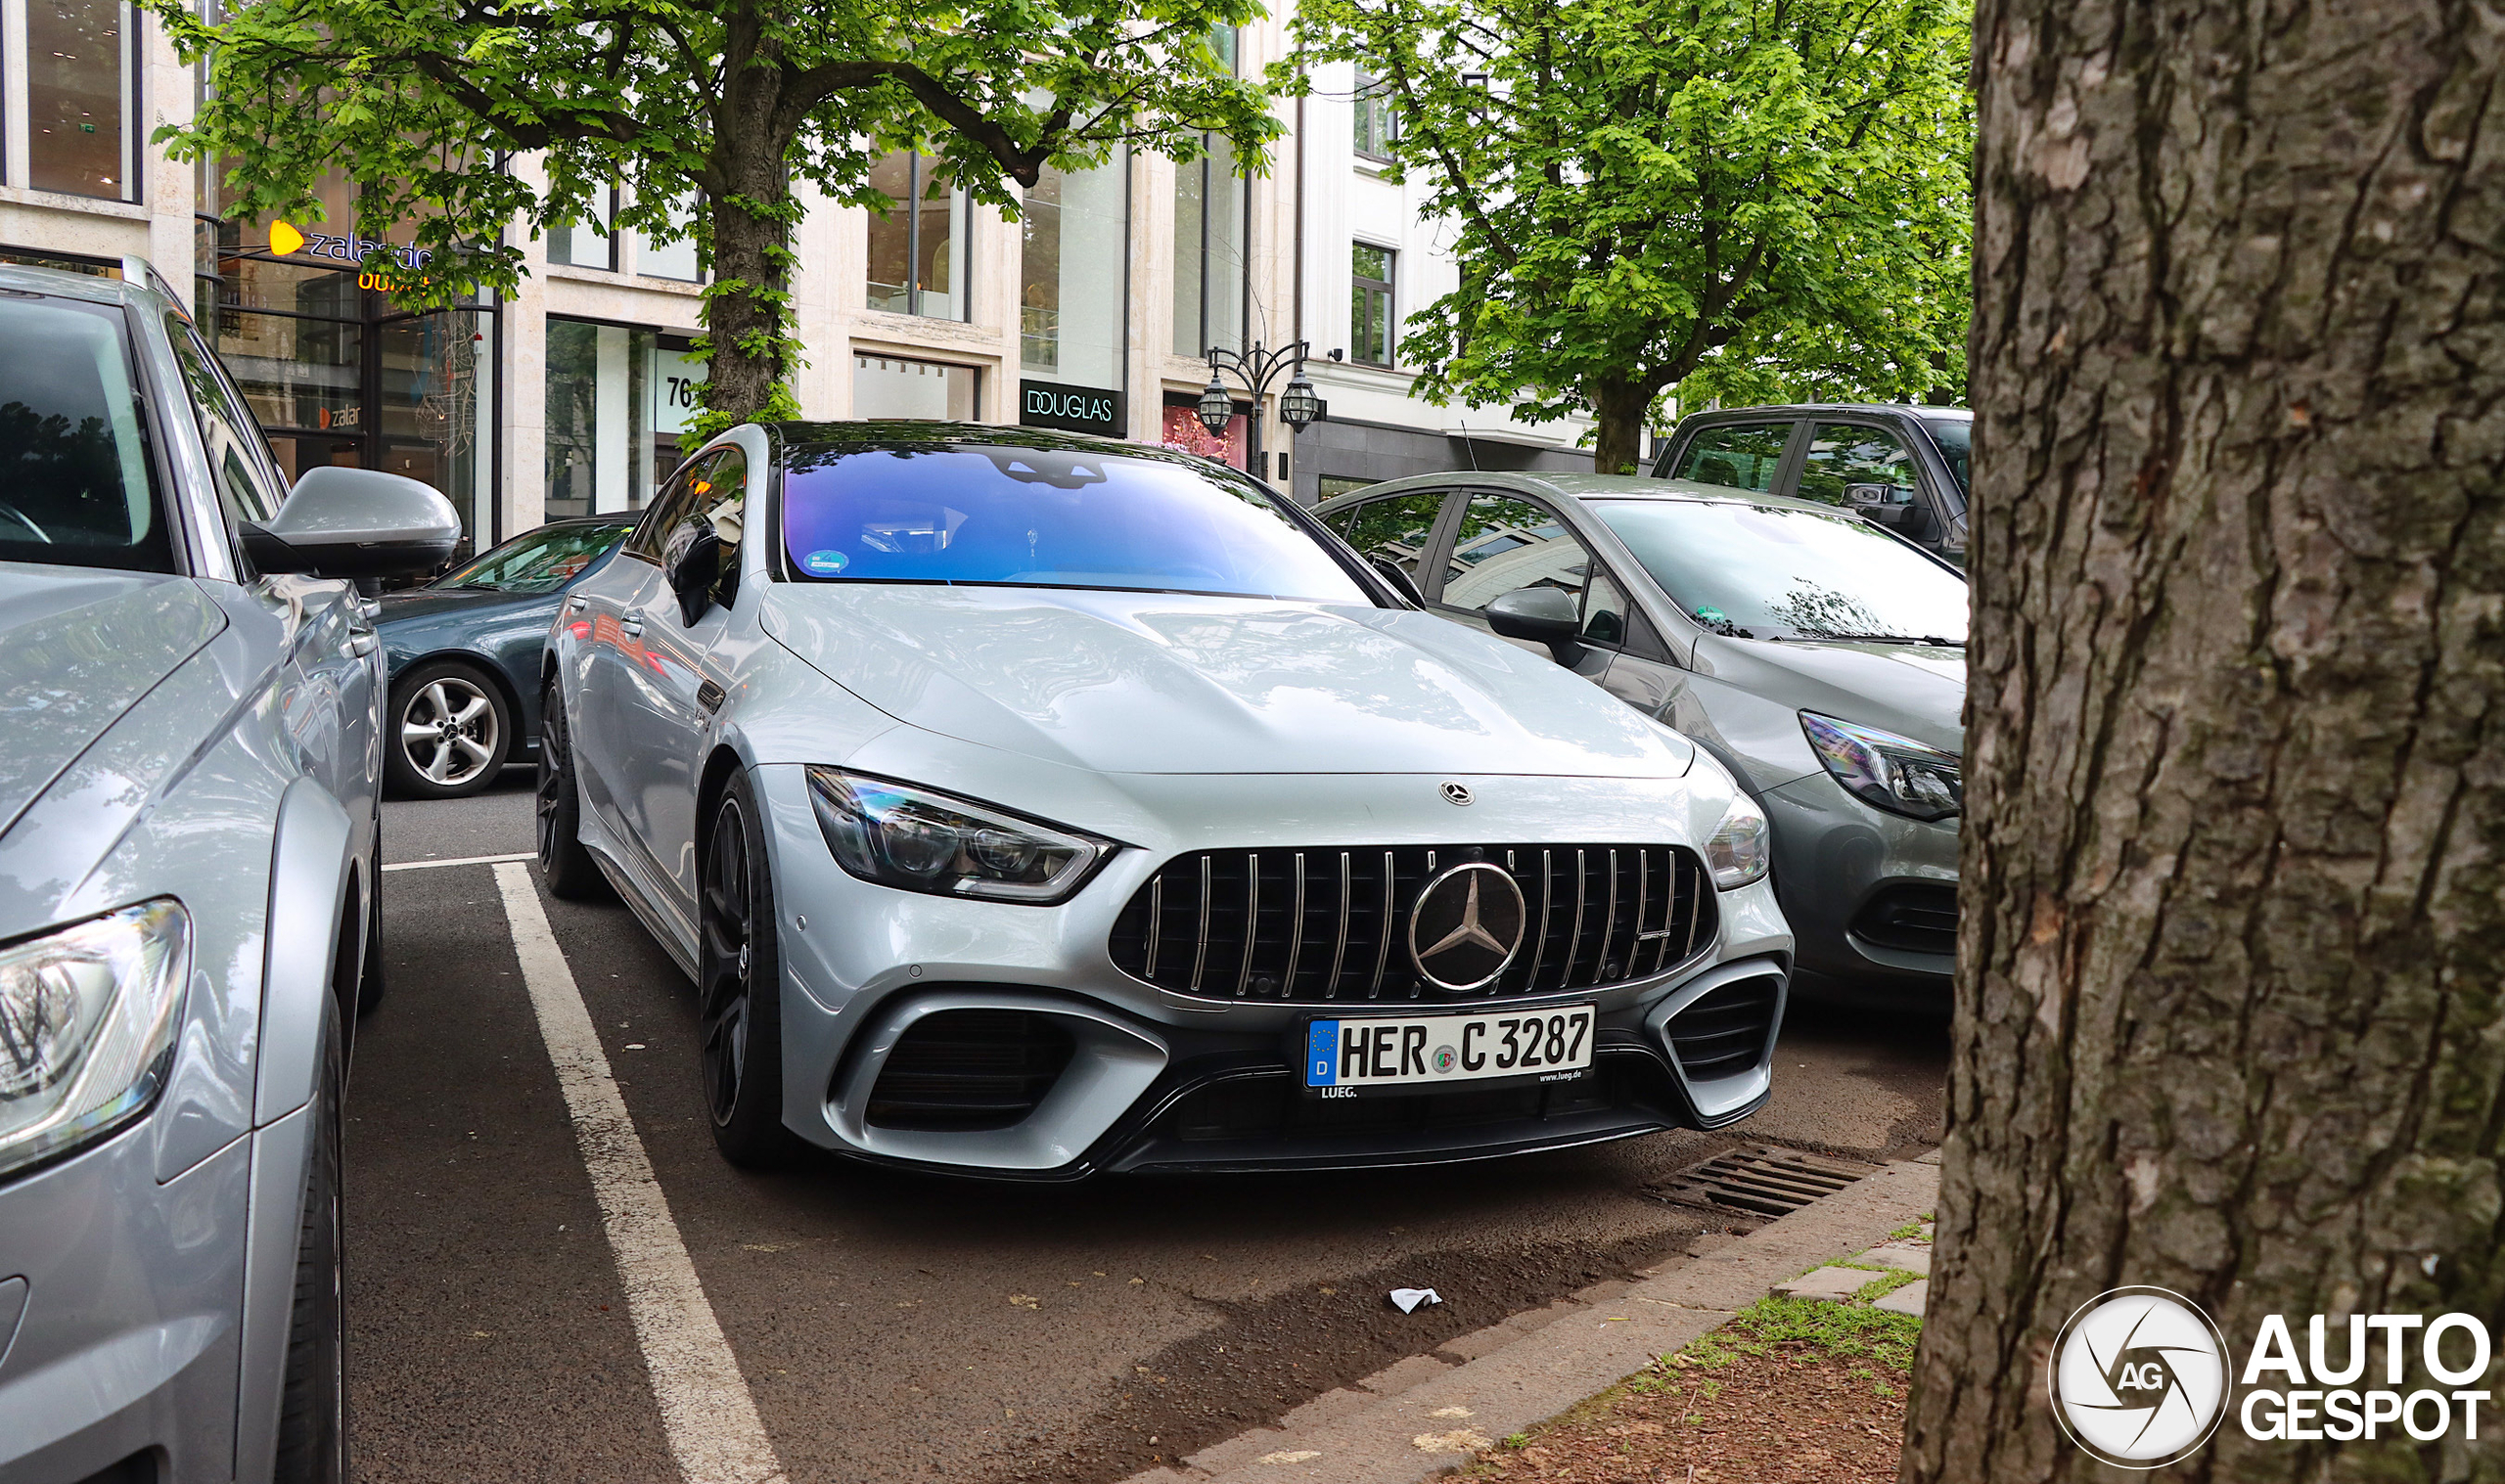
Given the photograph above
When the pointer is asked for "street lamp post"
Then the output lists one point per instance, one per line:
(1257, 369)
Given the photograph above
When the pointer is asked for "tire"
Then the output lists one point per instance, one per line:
(449, 732)
(313, 1402)
(739, 981)
(566, 864)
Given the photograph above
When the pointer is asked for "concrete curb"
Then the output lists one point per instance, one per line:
(1430, 1413)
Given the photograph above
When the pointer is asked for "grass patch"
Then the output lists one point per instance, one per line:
(1838, 1329)
(1890, 1279)
(1912, 1231)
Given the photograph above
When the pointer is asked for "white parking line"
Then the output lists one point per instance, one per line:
(705, 1407)
(466, 860)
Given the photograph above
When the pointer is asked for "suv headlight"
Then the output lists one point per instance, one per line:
(919, 839)
(1737, 851)
(1896, 774)
(87, 1027)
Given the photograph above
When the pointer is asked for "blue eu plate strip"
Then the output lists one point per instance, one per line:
(1322, 1054)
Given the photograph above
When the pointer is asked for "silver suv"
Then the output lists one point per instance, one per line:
(190, 712)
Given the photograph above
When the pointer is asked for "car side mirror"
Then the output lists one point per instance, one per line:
(1401, 582)
(355, 522)
(1891, 505)
(1541, 615)
(699, 576)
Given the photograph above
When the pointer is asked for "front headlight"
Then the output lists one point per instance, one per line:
(1896, 774)
(86, 1027)
(1737, 850)
(919, 839)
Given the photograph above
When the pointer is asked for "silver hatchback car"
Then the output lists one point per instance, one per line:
(190, 704)
(1820, 658)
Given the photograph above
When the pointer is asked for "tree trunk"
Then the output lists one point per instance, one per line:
(748, 312)
(1618, 409)
(2228, 1016)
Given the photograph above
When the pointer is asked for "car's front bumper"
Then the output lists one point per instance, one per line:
(1155, 1080)
(128, 1343)
(1871, 896)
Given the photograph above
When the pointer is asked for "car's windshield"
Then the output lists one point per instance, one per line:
(1775, 572)
(1955, 437)
(76, 486)
(1045, 517)
(541, 560)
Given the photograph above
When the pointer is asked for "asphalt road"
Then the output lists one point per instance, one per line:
(894, 1326)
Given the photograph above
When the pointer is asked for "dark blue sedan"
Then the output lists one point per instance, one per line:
(464, 652)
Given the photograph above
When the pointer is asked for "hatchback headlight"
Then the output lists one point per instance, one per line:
(1895, 773)
(86, 1027)
(920, 839)
(1737, 851)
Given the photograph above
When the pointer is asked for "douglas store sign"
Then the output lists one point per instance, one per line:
(1071, 408)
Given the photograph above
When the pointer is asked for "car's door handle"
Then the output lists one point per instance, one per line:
(363, 643)
(576, 604)
(632, 626)
(369, 610)
(710, 697)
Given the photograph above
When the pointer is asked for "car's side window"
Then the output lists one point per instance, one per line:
(1604, 611)
(667, 513)
(247, 481)
(1844, 456)
(1742, 456)
(1394, 530)
(721, 497)
(1506, 544)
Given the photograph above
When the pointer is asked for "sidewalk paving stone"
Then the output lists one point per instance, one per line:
(1908, 1299)
(1906, 1256)
(1831, 1284)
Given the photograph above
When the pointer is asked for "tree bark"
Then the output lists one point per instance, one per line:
(2228, 980)
(1618, 407)
(747, 327)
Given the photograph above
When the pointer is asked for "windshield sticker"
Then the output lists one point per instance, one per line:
(824, 563)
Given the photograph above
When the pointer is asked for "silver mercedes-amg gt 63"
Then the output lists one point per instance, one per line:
(1031, 806)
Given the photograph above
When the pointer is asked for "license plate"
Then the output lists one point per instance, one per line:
(1344, 1058)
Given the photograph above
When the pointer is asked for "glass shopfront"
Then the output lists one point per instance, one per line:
(617, 399)
(337, 374)
(1075, 255)
(893, 386)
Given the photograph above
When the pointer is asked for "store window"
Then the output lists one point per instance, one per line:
(1372, 122)
(1071, 275)
(918, 244)
(336, 373)
(1370, 321)
(82, 98)
(587, 243)
(892, 386)
(617, 399)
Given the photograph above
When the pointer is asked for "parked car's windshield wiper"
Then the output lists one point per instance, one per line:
(1819, 637)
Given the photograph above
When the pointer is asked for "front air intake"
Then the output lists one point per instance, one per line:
(965, 1071)
(1726, 1032)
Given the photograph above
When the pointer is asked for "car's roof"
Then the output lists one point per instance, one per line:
(63, 284)
(1811, 409)
(910, 432)
(1575, 486)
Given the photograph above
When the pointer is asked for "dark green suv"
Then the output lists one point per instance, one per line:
(1902, 466)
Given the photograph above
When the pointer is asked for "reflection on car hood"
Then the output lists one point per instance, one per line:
(77, 646)
(1917, 689)
(1126, 681)
(430, 603)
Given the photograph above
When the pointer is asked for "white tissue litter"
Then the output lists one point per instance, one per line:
(1408, 1299)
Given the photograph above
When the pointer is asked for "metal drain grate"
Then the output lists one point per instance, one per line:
(1763, 1182)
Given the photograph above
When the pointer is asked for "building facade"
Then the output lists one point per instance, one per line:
(1091, 311)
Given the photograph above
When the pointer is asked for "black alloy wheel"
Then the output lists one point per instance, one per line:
(739, 979)
(451, 732)
(565, 863)
(313, 1402)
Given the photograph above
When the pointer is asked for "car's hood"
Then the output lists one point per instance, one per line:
(77, 647)
(431, 602)
(1156, 683)
(1916, 689)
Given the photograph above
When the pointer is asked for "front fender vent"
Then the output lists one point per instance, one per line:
(967, 1071)
(1330, 925)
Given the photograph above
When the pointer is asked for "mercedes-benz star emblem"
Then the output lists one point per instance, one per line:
(1456, 793)
(1466, 926)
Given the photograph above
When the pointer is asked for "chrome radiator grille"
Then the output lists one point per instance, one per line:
(1331, 925)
